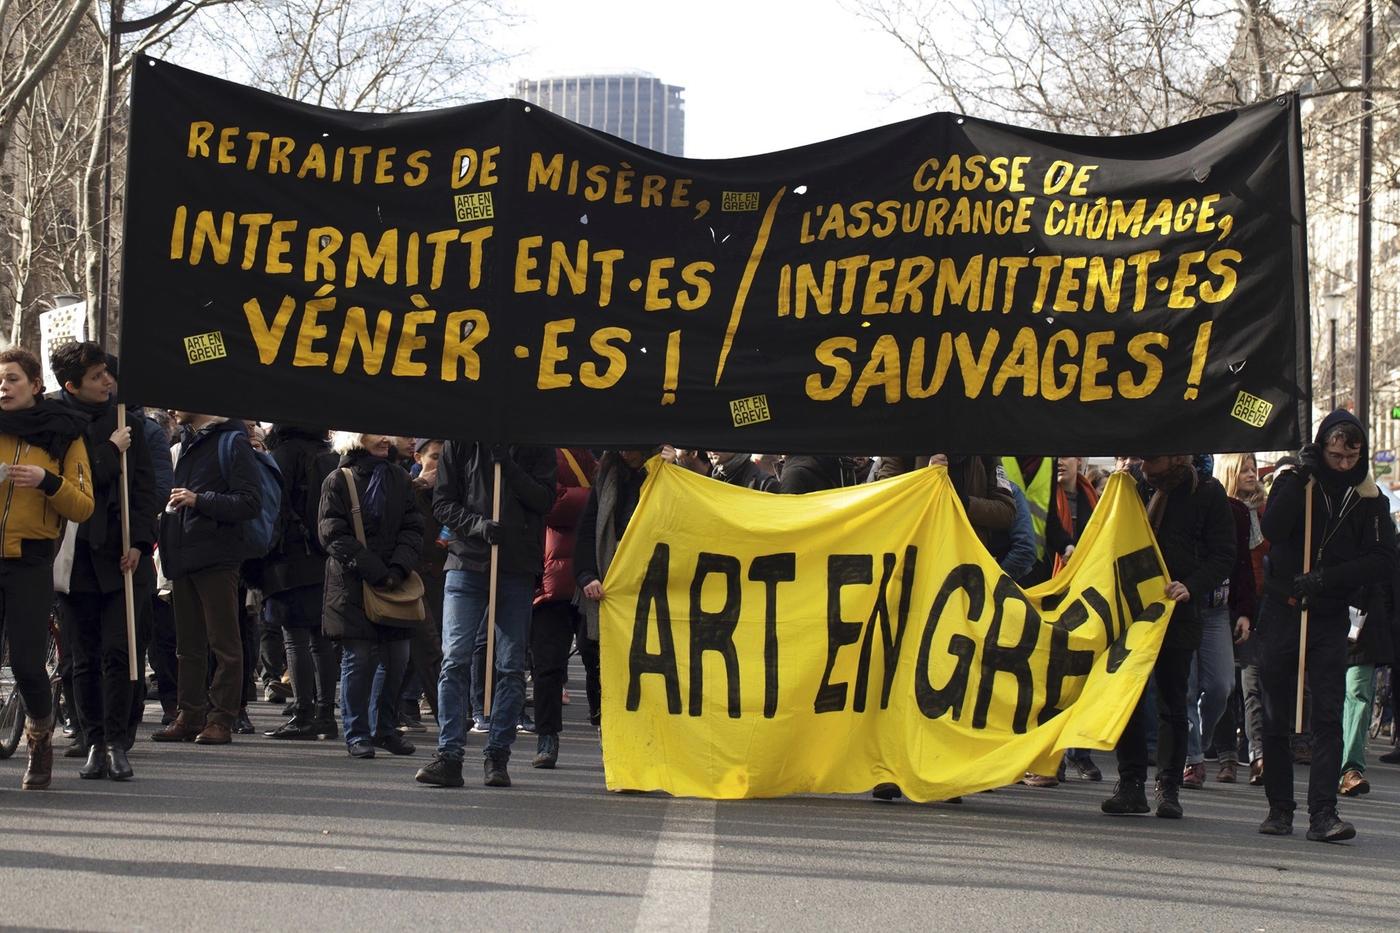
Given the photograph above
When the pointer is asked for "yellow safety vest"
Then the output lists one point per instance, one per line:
(1038, 494)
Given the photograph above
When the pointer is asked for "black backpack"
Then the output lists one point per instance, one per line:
(298, 558)
(304, 503)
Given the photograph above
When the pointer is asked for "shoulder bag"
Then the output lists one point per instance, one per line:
(400, 607)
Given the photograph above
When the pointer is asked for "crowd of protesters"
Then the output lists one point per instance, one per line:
(254, 555)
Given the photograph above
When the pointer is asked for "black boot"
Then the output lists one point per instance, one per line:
(1128, 797)
(325, 722)
(118, 768)
(1168, 800)
(96, 766)
(496, 775)
(1279, 822)
(295, 728)
(1327, 826)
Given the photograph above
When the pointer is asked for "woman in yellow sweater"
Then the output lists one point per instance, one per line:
(44, 479)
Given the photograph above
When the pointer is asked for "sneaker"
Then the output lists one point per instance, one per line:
(495, 772)
(1327, 826)
(1279, 822)
(527, 725)
(1128, 797)
(1087, 769)
(1392, 757)
(547, 753)
(441, 772)
(480, 725)
(887, 791)
(394, 744)
(1354, 784)
(1168, 805)
(1193, 777)
(360, 749)
(277, 692)
(242, 724)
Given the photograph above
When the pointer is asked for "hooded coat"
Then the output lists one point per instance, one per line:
(394, 538)
(1353, 538)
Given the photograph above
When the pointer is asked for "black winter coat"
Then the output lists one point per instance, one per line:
(1197, 538)
(394, 540)
(1381, 634)
(740, 470)
(1352, 536)
(297, 558)
(802, 474)
(210, 534)
(462, 501)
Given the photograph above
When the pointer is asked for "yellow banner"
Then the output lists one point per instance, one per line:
(757, 645)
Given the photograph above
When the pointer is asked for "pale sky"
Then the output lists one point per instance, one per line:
(759, 75)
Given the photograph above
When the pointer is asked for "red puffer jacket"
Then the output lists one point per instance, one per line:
(570, 496)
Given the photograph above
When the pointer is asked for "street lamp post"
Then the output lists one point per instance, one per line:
(1363, 235)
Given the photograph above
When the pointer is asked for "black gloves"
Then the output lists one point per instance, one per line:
(1310, 462)
(393, 580)
(491, 532)
(370, 568)
(1308, 585)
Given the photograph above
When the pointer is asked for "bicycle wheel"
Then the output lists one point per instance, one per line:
(11, 707)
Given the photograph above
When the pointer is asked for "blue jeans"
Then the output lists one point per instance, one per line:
(463, 617)
(368, 707)
(1212, 679)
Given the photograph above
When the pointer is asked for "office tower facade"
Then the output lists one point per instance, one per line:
(637, 107)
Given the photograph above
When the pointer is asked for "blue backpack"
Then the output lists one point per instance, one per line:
(263, 530)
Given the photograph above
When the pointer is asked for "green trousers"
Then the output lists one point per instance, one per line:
(1356, 716)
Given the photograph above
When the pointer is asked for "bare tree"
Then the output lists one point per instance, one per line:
(33, 35)
(388, 56)
(1107, 67)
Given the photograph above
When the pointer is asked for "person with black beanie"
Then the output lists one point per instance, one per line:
(46, 479)
(1353, 544)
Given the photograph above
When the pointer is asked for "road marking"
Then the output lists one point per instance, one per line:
(677, 893)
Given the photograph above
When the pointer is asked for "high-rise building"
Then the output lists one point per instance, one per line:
(637, 107)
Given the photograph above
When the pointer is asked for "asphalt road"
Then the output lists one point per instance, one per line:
(289, 835)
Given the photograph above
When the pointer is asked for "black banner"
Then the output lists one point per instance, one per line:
(496, 272)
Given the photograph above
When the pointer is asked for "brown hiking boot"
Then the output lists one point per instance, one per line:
(39, 737)
(181, 730)
(216, 733)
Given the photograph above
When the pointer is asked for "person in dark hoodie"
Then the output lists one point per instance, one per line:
(740, 470)
(803, 473)
(94, 605)
(202, 546)
(462, 500)
(1353, 546)
(293, 581)
(1195, 531)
